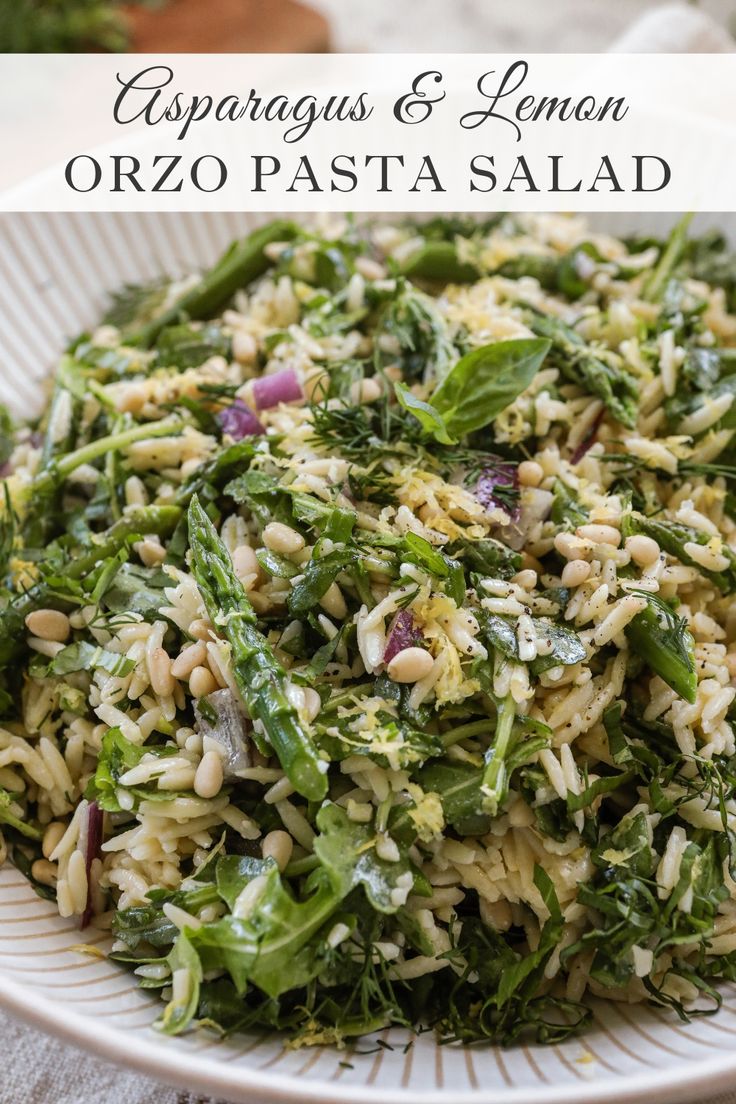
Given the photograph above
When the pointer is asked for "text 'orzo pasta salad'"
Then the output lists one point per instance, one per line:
(367, 645)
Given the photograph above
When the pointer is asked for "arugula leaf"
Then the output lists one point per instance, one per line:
(181, 1009)
(488, 557)
(319, 575)
(566, 647)
(458, 786)
(412, 318)
(118, 755)
(347, 851)
(391, 743)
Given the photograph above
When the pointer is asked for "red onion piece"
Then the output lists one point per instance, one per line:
(535, 506)
(587, 442)
(402, 634)
(239, 421)
(493, 480)
(92, 851)
(280, 387)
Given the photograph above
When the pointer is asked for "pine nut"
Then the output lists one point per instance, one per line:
(54, 831)
(192, 656)
(333, 603)
(245, 347)
(49, 624)
(643, 550)
(282, 538)
(731, 664)
(208, 778)
(600, 534)
(530, 473)
(312, 702)
(366, 390)
(150, 552)
(278, 846)
(44, 872)
(369, 269)
(245, 562)
(575, 572)
(410, 665)
(133, 398)
(527, 579)
(201, 629)
(48, 648)
(162, 681)
(202, 682)
(572, 547)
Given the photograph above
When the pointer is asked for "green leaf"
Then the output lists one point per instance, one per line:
(180, 1011)
(266, 948)
(319, 575)
(427, 415)
(13, 821)
(83, 656)
(458, 786)
(347, 851)
(118, 755)
(485, 381)
(390, 743)
(524, 976)
(189, 344)
(566, 647)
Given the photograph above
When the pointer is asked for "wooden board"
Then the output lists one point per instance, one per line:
(228, 26)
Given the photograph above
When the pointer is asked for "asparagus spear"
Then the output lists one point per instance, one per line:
(136, 522)
(578, 363)
(668, 261)
(438, 261)
(673, 537)
(58, 470)
(258, 675)
(237, 267)
(666, 645)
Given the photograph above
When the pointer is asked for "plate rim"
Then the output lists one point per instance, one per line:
(149, 1054)
(239, 1083)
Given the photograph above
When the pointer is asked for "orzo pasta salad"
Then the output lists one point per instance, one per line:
(368, 654)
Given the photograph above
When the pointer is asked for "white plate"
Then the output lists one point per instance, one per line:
(54, 272)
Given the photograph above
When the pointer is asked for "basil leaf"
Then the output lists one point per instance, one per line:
(428, 417)
(485, 381)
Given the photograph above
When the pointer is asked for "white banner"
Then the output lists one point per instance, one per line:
(473, 132)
